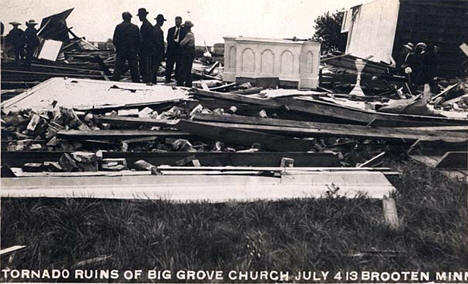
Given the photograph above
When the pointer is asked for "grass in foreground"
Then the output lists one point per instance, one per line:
(315, 234)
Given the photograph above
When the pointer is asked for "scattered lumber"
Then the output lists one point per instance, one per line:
(117, 134)
(329, 110)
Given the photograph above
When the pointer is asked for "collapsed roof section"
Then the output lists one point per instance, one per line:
(55, 26)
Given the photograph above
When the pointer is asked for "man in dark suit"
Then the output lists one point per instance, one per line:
(16, 38)
(159, 40)
(31, 40)
(147, 47)
(174, 51)
(126, 41)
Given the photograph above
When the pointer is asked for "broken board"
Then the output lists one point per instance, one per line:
(202, 188)
(87, 93)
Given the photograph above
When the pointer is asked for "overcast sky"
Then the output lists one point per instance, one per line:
(213, 19)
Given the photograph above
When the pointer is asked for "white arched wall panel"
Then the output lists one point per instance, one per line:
(267, 62)
(248, 60)
(293, 62)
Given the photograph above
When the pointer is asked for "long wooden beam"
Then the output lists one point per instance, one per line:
(134, 121)
(246, 159)
(235, 136)
(307, 129)
(197, 188)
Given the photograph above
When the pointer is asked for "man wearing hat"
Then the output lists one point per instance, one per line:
(147, 47)
(126, 41)
(16, 39)
(173, 53)
(159, 40)
(188, 55)
(31, 40)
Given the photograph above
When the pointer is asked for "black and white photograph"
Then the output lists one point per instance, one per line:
(234, 141)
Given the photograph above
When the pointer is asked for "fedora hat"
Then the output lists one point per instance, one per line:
(142, 12)
(15, 24)
(160, 16)
(188, 24)
(31, 23)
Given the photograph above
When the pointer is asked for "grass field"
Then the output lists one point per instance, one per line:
(314, 234)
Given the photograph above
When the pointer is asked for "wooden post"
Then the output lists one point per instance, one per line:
(390, 212)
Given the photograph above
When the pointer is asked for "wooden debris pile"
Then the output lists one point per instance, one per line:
(218, 118)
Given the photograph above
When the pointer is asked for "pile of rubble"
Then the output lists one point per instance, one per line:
(237, 118)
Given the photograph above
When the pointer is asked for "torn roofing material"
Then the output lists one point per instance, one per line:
(87, 93)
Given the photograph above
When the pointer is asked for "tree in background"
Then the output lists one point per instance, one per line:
(328, 32)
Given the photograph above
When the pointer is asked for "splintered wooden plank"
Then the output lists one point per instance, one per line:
(133, 121)
(117, 134)
(305, 128)
(197, 188)
(374, 161)
(436, 147)
(453, 160)
(11, 249)
(444, 91)
(456, 128)
(245, 137)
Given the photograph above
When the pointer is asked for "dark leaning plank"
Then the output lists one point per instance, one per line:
(245, 137)
(453, 160)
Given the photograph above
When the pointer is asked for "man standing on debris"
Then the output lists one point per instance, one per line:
(174, 52)
(159, 39)
(147, 47)
(16, 38)
(31, 41)
(188, 55)
(126, 41)
(415, 62)
(430, 66)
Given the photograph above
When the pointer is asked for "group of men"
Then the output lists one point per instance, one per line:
(144, 49)
(24, 42)
(420, 63)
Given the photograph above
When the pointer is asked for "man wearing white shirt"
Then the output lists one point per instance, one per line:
(174, 52)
